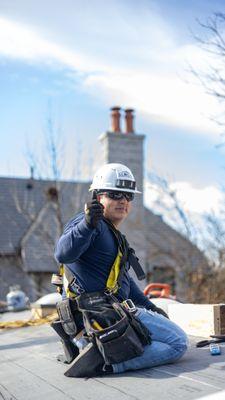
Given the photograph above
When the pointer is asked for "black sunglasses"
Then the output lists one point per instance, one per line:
(119, 195)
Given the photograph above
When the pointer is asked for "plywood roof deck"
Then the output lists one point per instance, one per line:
(29, 371)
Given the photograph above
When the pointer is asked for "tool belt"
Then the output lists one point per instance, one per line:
(115, 330)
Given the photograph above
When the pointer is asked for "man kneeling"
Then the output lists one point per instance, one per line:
(96, 258)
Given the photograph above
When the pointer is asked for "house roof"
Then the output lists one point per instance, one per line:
(168, 247)
(31, 224)
(26, 206)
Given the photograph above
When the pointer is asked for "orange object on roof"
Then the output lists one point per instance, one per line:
(158, 290)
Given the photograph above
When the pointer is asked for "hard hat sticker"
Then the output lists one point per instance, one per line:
(125, 174)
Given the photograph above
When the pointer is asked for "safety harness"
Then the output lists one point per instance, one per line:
(125, 258)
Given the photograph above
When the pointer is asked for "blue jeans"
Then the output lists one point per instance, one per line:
(169, 343)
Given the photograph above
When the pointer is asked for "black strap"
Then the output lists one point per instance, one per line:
(129, 257)
(134, 262)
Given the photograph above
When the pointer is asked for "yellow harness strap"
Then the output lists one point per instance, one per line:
(61, 269)
(112, 281)
(65, 282)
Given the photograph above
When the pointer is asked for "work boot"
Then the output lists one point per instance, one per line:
(88, 364)
(70, 350)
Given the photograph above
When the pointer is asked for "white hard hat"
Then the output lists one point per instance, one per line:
(114, 177)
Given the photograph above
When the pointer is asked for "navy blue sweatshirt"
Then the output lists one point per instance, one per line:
(89, 254)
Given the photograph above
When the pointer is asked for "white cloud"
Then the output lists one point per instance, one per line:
(145, 81)
(193, 200)
(21, 42)
(198, 200)
(194, 204)
(159, 96)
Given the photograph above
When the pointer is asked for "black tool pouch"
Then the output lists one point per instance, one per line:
(141, 330)
(119, 342)
(109, 327)
(66, 310)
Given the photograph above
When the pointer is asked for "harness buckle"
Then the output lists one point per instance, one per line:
(57, 280)
(75, 288)
(129, 305)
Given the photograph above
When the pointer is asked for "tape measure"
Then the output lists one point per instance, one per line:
(214, 349)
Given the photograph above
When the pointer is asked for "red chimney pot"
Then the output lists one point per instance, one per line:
(129, 120)
(115, 119)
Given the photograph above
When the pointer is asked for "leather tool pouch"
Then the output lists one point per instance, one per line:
(110, 327)
(67, 310)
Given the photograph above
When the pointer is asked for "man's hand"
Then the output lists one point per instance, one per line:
(93, 211)
(158, 310)
(162, 312)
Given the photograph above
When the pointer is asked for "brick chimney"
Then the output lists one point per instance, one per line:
(115, 119)
(129, 121)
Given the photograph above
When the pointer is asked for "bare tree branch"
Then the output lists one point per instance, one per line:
(212, 42)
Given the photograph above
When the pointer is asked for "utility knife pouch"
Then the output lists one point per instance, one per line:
(66, 308)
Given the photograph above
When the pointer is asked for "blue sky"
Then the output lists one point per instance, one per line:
(79, 58)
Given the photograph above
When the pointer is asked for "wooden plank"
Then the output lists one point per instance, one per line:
(199, 319)
(215, 396)
(42, 311)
